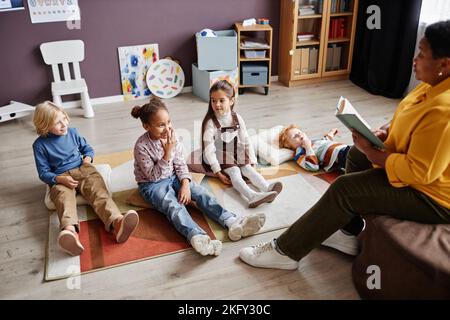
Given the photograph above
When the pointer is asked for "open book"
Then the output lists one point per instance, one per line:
(352, 120)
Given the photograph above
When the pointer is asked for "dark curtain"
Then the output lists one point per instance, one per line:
(382, 58)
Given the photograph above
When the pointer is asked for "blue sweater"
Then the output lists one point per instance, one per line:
(57, 154)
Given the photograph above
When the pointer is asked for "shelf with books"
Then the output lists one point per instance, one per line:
(306, 62)
(332, 31)
(336, 58)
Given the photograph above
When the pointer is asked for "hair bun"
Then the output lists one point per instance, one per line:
(136, 112)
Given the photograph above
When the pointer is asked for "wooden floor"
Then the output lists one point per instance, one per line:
(324, 274)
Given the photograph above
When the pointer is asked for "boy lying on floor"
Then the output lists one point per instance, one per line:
(312, 155)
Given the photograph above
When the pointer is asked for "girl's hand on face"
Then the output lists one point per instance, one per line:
(169, 144)
(223, 178)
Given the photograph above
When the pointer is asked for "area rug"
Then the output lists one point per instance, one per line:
(155, 236)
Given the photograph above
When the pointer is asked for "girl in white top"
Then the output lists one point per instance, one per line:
(227, 150)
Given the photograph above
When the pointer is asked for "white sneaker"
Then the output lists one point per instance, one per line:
(217, 247)
(264, 255)
(203, 244)
(246, 226)
(262, 197)
(343, 242)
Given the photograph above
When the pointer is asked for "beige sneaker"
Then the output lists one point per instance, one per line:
(203, 244)
(246, 226)
(125, 227)
(261, 198)
(69, 242)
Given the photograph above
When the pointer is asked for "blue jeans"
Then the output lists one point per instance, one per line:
(163, 196)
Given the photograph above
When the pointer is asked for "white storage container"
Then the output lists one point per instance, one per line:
(253, 54)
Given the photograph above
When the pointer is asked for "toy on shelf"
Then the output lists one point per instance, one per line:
(249, 22)
(14, 110)
(165, 78)
(263, 21)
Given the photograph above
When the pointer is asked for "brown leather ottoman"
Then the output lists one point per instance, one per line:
(414, 259)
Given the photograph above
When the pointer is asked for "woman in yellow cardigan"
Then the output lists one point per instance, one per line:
(409, 180)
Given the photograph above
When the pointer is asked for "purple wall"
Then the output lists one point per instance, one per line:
(108, 24)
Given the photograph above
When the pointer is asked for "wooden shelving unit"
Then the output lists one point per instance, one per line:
(328, 56)
(262, 32)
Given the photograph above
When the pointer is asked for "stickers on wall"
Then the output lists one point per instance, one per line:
(165, 78)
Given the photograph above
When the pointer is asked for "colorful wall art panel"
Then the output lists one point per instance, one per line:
(134, 62)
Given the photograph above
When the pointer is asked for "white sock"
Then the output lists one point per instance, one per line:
(255, 178)
(238, 183)
(230, 221)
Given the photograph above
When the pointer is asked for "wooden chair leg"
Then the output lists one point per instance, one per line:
(86, 105)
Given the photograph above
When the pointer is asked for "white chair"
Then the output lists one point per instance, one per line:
(105, 172)
(66, 53)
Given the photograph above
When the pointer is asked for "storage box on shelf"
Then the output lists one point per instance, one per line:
(254, 74)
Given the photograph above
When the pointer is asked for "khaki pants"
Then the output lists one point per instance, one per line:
(93, 189)
(361, 191)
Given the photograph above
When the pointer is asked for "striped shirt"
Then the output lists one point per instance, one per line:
(322, 154)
